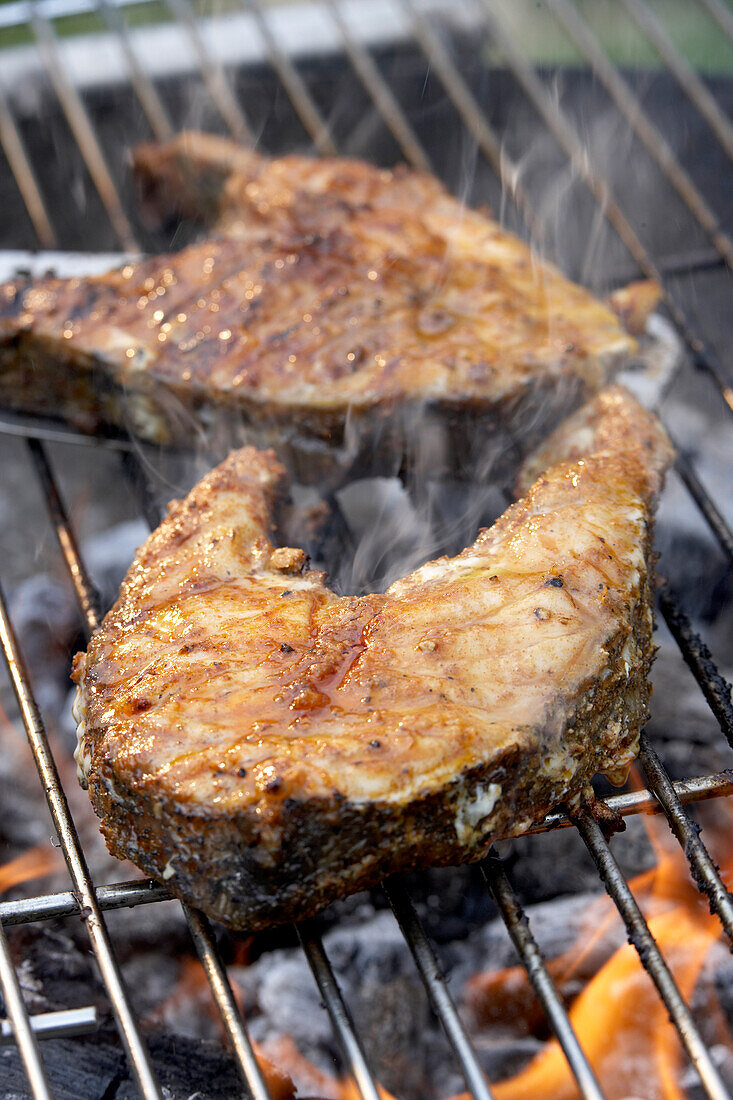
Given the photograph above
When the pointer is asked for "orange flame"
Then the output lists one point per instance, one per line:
(313, 1082)
(36, 862)
(619, 1018)
(192, 985)
(279, 1059)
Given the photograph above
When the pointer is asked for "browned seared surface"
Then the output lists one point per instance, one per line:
(264, 745)
(635, 302)
(337, 305)
(612, 422)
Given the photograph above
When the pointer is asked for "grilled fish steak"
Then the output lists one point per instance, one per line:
(612, 422)
(264, 745)
(337, 307)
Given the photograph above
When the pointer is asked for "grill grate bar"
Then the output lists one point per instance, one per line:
(564, 134)
(473, 117)
(437, 989)
(693, 87)
(722, 16)
(133, 468)
(21, 1024)
(212, 73)
(75, 861)
(382, 97)
(247, 1063)
(120, 895)
(704, 870)
(699, 788)
(123, 895)
(20, 166)
(574, 149)
(86, 594)
(50, 431)
(198, 926)
(707, 506)
(62, 1024)
(145, 90)
(534, 963)
(697, 656)
(293, 83)
(630, 107)
(649, 954)
(82, 129)
(337, 1009)
(343, 1024)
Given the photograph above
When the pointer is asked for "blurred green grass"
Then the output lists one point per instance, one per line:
(695, 33)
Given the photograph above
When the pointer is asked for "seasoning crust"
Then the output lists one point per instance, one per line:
(264, 745)
(335, 305)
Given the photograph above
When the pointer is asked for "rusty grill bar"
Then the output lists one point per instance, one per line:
(661, 795)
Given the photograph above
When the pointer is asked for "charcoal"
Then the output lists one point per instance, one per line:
(76, 1071)
(188, 1069)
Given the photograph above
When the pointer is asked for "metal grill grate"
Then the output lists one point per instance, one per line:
(661, 794)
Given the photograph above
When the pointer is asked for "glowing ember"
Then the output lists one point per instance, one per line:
(618, 1016)
(37, 862)
(192, 985)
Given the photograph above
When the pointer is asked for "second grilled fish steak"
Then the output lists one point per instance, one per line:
(264, 745)
(342, 313)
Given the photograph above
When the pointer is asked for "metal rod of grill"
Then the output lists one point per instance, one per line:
(711, 513)
(86, 593)
(721, 14)
(134, 470)
(82, 129)
(120, 895)
(385, 102)
(435, 984)
(15, 424)
(343, 1024)
(473, 117)
(21, 1024)
(653, 30)
(628, 104)
(246, 1061)
(698, 659)
(20, 166)
(63, 1024)
(719, 785)
(213, 73)
(533, 962)
(145, 90)
(704, 871)
(297, 89)
(76, 863)
(649, 954)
